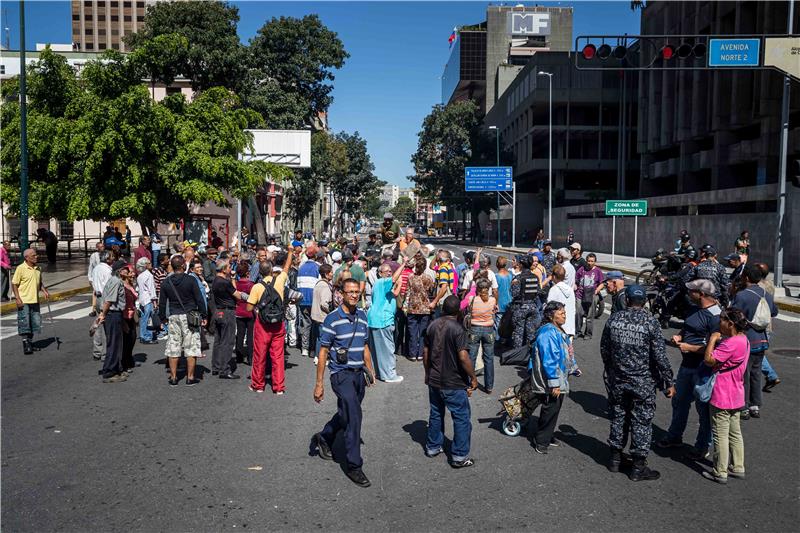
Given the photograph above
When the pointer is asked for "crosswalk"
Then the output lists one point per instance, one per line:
(75, 309)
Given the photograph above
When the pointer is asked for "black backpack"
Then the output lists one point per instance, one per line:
(270, 306)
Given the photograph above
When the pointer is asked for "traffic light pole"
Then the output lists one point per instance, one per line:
(778, 275)
(23, 137)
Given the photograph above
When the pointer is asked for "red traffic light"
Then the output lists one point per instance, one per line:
(589, 51)
(668, 52)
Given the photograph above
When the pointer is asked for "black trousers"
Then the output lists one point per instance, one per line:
(128, 340)
(6, 274)
(348, 386)
(548, 418)
(244, 327)
(400, 333)
(112, 326)
(222, 359)
(753, 379)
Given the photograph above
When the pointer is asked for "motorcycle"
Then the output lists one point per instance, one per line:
(664, 264)
(666, 300)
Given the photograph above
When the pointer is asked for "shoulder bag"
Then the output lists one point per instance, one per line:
(193, 318)
(705, 379)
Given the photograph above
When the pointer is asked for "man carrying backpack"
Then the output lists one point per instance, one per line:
(269, 332)
(758, 307)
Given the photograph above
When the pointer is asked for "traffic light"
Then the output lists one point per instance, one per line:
(642, 51)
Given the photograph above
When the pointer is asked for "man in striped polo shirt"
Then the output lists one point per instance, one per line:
(343, 336)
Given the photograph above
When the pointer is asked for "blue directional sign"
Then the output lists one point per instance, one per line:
(734, 52)
(488, 179)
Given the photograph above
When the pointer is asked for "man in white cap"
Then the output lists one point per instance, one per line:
(390, 230)
(577, 261)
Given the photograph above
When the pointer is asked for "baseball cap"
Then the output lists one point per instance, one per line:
(388, 216)
(701, 285)
(336, 256)
(119, 263)
(273, 248)
(731, 257)
(546, 242)
(685, 236)
(614, 274)
(576, 245)
(636, 293)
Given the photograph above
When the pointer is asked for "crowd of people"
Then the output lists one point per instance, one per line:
(354, 308)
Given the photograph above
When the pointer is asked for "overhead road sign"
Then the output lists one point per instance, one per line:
(734, 52)
(626, 208)
(783, 53)
(488, 179)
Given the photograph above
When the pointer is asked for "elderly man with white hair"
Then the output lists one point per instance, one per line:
(146, 287)
(563, 258)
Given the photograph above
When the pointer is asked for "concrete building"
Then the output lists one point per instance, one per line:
(98, 25)
(708, 142)
(587, 135)
(407, 192)
(485, 57)
(390, 194)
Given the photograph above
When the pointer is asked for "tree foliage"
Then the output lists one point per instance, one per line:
(291, 60)
(213, 57)
(405, 211)
(102, 148)
(354, 181)
(453, 137)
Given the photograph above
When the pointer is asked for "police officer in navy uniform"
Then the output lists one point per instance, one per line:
(525, 299)
(615, 286)
(343, 340)
(635, 363)
(709, 268)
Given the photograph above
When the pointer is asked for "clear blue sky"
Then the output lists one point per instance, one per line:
(398, 51)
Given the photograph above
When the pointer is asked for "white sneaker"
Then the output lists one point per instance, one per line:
(316, 360)
(304, 353)
(397, 379)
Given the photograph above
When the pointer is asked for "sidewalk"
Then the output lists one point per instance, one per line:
(66, 278)
(627, 265)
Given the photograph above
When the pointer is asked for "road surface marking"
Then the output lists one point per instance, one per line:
(787, 318)
(72, 315)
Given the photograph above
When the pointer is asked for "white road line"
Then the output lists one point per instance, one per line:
(72, 315)
(63, 304)
(7, 331)
(787, 318)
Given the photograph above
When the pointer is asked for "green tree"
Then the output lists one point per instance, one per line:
(351, 184)
(291, 61)
(453, 137)
(405, 211)
(371, 205)
(214, 56)
(104, 149)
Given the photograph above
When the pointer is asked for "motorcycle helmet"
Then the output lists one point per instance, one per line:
(690, 255)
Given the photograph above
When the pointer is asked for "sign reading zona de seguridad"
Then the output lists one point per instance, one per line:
(734, 52)
(626, 208)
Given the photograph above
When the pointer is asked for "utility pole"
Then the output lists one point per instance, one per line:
(23, 136)
(497, 155)
(779, 240)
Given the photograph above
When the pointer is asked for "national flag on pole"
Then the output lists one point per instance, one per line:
(452, 38)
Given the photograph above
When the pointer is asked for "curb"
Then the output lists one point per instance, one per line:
(10, 307)
(782, 305)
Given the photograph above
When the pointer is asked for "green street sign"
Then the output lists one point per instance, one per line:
(626, 208)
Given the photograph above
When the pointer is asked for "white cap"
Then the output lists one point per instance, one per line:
(336, 256)
(273, 248)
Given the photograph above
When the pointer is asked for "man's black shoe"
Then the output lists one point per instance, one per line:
(229, 375)
(192, 382)
(745, 415)
(641, 472)
(322, 448)
(357, 476)
(215, 372)
(173, 382)
(27, 346)
(770, 384)
(539, 448)
(463, 464)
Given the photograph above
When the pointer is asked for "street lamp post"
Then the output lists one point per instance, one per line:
(497, 154)
(23, 137)
(549, 159)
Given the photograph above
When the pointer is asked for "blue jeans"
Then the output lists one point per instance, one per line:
(681, 402)
(145, 334)
(457, 402)
(417, 324)
(381, 346)
(767, 369)
(483, 335)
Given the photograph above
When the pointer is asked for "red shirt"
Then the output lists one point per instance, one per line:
(243, 285)
(142, 251)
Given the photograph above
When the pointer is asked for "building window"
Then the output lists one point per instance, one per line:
(76, 17)
(114, 32)
(2, 69)
(89, 46)
(101, 18)
(66, 229)
(140, 18)
(126, 4)
(140, 5)
(88, 18)
(101, 46)
(101, 31)
(115, 46)
(114, 18)
(173, 90)
(101, 3)
(87, 3)
(127, 18)
(88, 31)
(114, 4)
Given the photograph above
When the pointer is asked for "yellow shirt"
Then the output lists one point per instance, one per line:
(258, 288)
(403, 243)
(28, 279)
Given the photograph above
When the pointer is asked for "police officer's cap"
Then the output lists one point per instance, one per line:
(636, 293)
(691, 254)
(546, 242)
(685, 237)
(614, 274)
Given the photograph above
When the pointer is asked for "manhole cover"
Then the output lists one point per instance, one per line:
(789, 352)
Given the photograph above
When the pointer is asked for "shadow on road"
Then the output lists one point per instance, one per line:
(589, 446)
(592, 403)
(418, 430)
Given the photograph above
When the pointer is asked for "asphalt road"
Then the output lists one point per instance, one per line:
(80, 455)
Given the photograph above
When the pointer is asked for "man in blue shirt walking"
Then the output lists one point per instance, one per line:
(344, 336)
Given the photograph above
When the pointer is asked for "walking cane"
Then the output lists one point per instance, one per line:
(52, 323)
